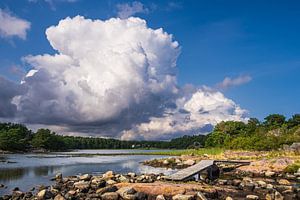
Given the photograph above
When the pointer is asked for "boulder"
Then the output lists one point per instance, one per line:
(183, 197)
(44, 194)
(59, 197)
(200, 196)
(165, 162)
(110, 188)
(58, 176)
(108, 174)
(85, 177)
(229, 198)
(278, 196)
(110, 196)
(131, 174)
(82, 185)
(189, 162)
(160, 197)
(262, 184)
(269, 174)
(123, 179)
(284, 182)
(252, 197)
(110, 182)
(127, 193)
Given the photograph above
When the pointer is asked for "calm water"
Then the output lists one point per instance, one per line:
(30, 170)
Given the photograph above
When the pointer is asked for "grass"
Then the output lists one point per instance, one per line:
(293, 168)
(196, 152)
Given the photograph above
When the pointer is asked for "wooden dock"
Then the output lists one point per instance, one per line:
(189, 172)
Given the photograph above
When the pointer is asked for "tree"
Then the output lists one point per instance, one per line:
(43, 138)
(216, 139)
(14, 139)
(274, 120)
(294, 121)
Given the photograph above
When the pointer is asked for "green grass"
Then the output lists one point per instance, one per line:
(196, 152)
(293, 168)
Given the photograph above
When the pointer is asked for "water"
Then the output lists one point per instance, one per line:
(31, 170)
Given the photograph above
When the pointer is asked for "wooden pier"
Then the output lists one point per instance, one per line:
(209, 165)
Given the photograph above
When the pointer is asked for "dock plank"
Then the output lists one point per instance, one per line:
(191, 171)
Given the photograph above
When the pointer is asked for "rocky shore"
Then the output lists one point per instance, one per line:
(268, 185)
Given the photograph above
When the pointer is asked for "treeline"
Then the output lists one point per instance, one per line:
(272, 133)
(17, 137)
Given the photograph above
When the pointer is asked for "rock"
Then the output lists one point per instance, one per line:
(2, 185)
(123, 179)
(108, 174)
(205, 155)
(269, 186)
(28, 195)
(269, 174)
(200, 196)
(189, 162)
(278, 196)
(283, 182)
(269, 196)
(177, 161)
(85, 177)
(222, 182)
(252, 197)
(110, 196)
(110, 188)
(165, 162)
(58, 176)
(44, 194)
(262, 184)
(160, 197)
(72, 193)
(140, 196)
(229, 198)
(236, 182)
(59, 197)
(127, 193)
(183, 197)
(110, 182)
(17, 194)
(131, 174)
(82, 185)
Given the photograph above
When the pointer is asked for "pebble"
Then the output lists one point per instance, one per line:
(252, 197)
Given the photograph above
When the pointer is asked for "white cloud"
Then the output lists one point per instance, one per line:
(98, 73)
(12, 26)
(127, 10)
(231, 82)
(124, 85)
(193, 115)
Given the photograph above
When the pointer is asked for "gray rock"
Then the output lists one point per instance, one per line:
(252, 197)
(110, 196)
(82, 185)
(110, 188)
(127, 193)
(85, 177)
(183, 197)
(269, 174)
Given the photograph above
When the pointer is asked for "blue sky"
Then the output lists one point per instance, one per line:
(219, 39)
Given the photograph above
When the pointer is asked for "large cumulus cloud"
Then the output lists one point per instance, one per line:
(116, 78)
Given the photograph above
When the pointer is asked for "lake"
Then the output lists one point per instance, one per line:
(31, 170)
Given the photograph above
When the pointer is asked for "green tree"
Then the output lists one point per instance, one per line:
(274, 121)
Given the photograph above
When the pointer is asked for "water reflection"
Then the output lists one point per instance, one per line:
(27, 171)
(12, 174)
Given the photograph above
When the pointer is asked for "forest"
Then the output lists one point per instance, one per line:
(274, 132)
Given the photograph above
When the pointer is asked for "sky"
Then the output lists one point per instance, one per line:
(147, 69)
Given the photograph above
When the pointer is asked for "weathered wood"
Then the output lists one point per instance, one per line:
(189, 172)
